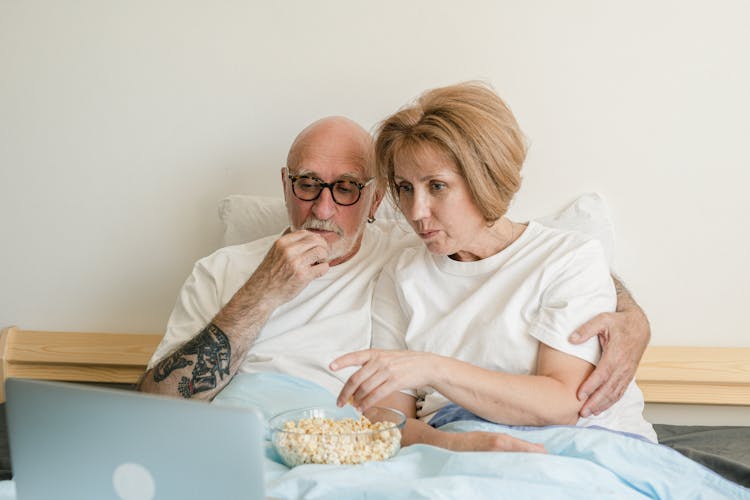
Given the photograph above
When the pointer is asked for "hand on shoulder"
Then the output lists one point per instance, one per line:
(623, 336)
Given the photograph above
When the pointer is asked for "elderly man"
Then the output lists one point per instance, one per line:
(286, 304)
(293, 303)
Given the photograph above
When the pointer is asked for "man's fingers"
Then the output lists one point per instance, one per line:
(601, 392)
(300, 242)
(602, 399)
(606, 395)
(598, 401)
(593, 327)
(592, 383)
(319, 270)
(304, 234)
(315, 254)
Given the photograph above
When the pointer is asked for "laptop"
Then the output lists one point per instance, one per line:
(73, 441)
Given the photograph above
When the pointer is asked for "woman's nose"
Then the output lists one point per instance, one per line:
(419, 207)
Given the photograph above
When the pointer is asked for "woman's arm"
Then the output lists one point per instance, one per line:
(415, 431)
(548, 397)
(545, 398)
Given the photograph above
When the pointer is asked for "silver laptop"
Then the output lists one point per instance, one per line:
(71, 441)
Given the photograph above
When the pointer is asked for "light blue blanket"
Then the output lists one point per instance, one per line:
(581, 463)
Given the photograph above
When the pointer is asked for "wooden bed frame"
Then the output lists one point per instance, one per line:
(689, 375)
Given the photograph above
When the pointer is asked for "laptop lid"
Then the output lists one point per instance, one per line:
(83, 442)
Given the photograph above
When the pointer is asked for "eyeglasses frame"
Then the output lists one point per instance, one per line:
(329, 185)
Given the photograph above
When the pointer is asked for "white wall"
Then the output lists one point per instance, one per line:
(122, 124)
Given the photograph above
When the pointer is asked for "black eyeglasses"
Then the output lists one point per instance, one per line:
(344, 192)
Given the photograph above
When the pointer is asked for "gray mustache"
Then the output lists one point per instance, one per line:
(323, 225)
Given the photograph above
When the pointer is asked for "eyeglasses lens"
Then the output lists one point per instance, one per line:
(344, 192)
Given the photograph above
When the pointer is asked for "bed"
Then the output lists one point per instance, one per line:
(680, 375)
(692, 461)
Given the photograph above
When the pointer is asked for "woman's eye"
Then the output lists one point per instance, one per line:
(403, 188)
(437, 186)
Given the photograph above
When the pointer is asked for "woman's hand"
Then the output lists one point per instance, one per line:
(381, 374)
(417, 431)
(491, 441)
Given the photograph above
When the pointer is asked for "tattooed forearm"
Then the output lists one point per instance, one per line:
(170, 364)
(208, 353)
(203, 366)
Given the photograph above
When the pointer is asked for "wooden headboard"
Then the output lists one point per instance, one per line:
(689, 375)
(74, 356)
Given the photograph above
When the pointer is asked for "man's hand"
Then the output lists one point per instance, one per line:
(201, 367)
(623, 336)
(290, 265)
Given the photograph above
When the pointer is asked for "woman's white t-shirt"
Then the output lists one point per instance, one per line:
(494, 312)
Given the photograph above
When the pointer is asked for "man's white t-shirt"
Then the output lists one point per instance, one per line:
(328, 318)
(494, 312)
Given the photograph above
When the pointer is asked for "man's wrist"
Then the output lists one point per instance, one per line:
(625, 303)
(637, 324)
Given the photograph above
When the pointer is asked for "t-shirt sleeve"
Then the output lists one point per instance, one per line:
(579, 288)
(389, 322)
(197, 303)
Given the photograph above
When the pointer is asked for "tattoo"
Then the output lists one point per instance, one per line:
(212, 353)
(168, 365)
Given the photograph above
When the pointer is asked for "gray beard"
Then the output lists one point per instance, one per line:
(339, 248)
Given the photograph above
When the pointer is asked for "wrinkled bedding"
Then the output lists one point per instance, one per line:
(581, 463)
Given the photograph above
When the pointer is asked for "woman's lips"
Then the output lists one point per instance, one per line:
(426, 235)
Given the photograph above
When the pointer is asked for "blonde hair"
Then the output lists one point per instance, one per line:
(473, 126)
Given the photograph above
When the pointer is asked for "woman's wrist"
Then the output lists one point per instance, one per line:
(436, 437)
(436, 371)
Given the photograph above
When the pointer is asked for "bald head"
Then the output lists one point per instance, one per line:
(333, 136)
(332, 150)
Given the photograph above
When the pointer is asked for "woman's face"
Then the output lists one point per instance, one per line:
(436, 201)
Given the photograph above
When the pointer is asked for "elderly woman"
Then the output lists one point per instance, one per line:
(476, 320)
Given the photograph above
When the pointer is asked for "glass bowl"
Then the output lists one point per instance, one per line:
(324, 435)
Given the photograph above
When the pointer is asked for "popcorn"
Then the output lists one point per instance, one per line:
(320, 440)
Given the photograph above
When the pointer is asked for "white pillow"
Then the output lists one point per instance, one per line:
(590, 215)
(248, 217)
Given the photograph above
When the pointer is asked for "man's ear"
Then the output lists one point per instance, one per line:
(284, 184)
(379, 195)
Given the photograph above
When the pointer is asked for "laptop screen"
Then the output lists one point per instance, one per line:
(79, 441)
